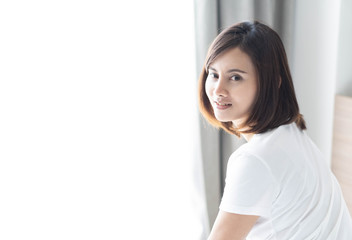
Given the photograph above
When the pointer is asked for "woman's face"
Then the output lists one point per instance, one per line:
(231, 86)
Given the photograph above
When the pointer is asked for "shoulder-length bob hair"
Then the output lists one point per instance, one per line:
(276, 102)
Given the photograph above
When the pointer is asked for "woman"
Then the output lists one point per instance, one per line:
(278, 185)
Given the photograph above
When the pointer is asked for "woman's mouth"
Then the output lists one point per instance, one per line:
(222, 105)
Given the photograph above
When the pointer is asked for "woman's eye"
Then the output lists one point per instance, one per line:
(236, 78)
(213, 75)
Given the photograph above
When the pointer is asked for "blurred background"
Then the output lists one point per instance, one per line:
(100, 135)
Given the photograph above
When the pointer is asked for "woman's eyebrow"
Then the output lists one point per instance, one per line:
(210, 68)
(236, 70)
(230, 70)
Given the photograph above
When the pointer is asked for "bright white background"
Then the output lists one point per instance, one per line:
(97, 104)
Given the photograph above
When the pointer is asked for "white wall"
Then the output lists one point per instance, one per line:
(344, 67)
(314, 66)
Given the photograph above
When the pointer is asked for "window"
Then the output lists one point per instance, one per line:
(100, 115)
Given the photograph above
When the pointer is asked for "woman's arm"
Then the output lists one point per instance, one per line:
(231, 226)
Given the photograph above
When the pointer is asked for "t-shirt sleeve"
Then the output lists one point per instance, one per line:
(250, 187)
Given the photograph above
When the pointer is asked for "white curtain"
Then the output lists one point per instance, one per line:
(310, 33)
(98, 116)
(211, 17)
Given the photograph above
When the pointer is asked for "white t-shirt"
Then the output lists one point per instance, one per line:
(282, 177)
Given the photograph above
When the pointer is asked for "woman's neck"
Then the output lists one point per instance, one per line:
(247, 136)
(238, 123)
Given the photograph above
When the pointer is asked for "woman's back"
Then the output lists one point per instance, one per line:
(295, 193)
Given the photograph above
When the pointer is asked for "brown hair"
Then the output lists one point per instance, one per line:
(276, 102)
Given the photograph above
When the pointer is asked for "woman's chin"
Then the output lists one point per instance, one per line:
(223, 119)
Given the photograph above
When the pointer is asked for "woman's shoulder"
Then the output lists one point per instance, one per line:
(276, 148)
(284, 138)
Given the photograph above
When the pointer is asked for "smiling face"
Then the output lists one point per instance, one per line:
(231, 86)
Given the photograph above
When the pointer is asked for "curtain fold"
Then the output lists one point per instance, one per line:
(206, 29)
(277, 14)
(210, 18)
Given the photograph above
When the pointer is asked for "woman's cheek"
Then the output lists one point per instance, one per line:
(208, 87)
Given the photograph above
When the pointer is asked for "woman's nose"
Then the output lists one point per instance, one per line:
(220, 88)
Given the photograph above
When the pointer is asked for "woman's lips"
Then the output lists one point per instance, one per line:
(222, 106)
